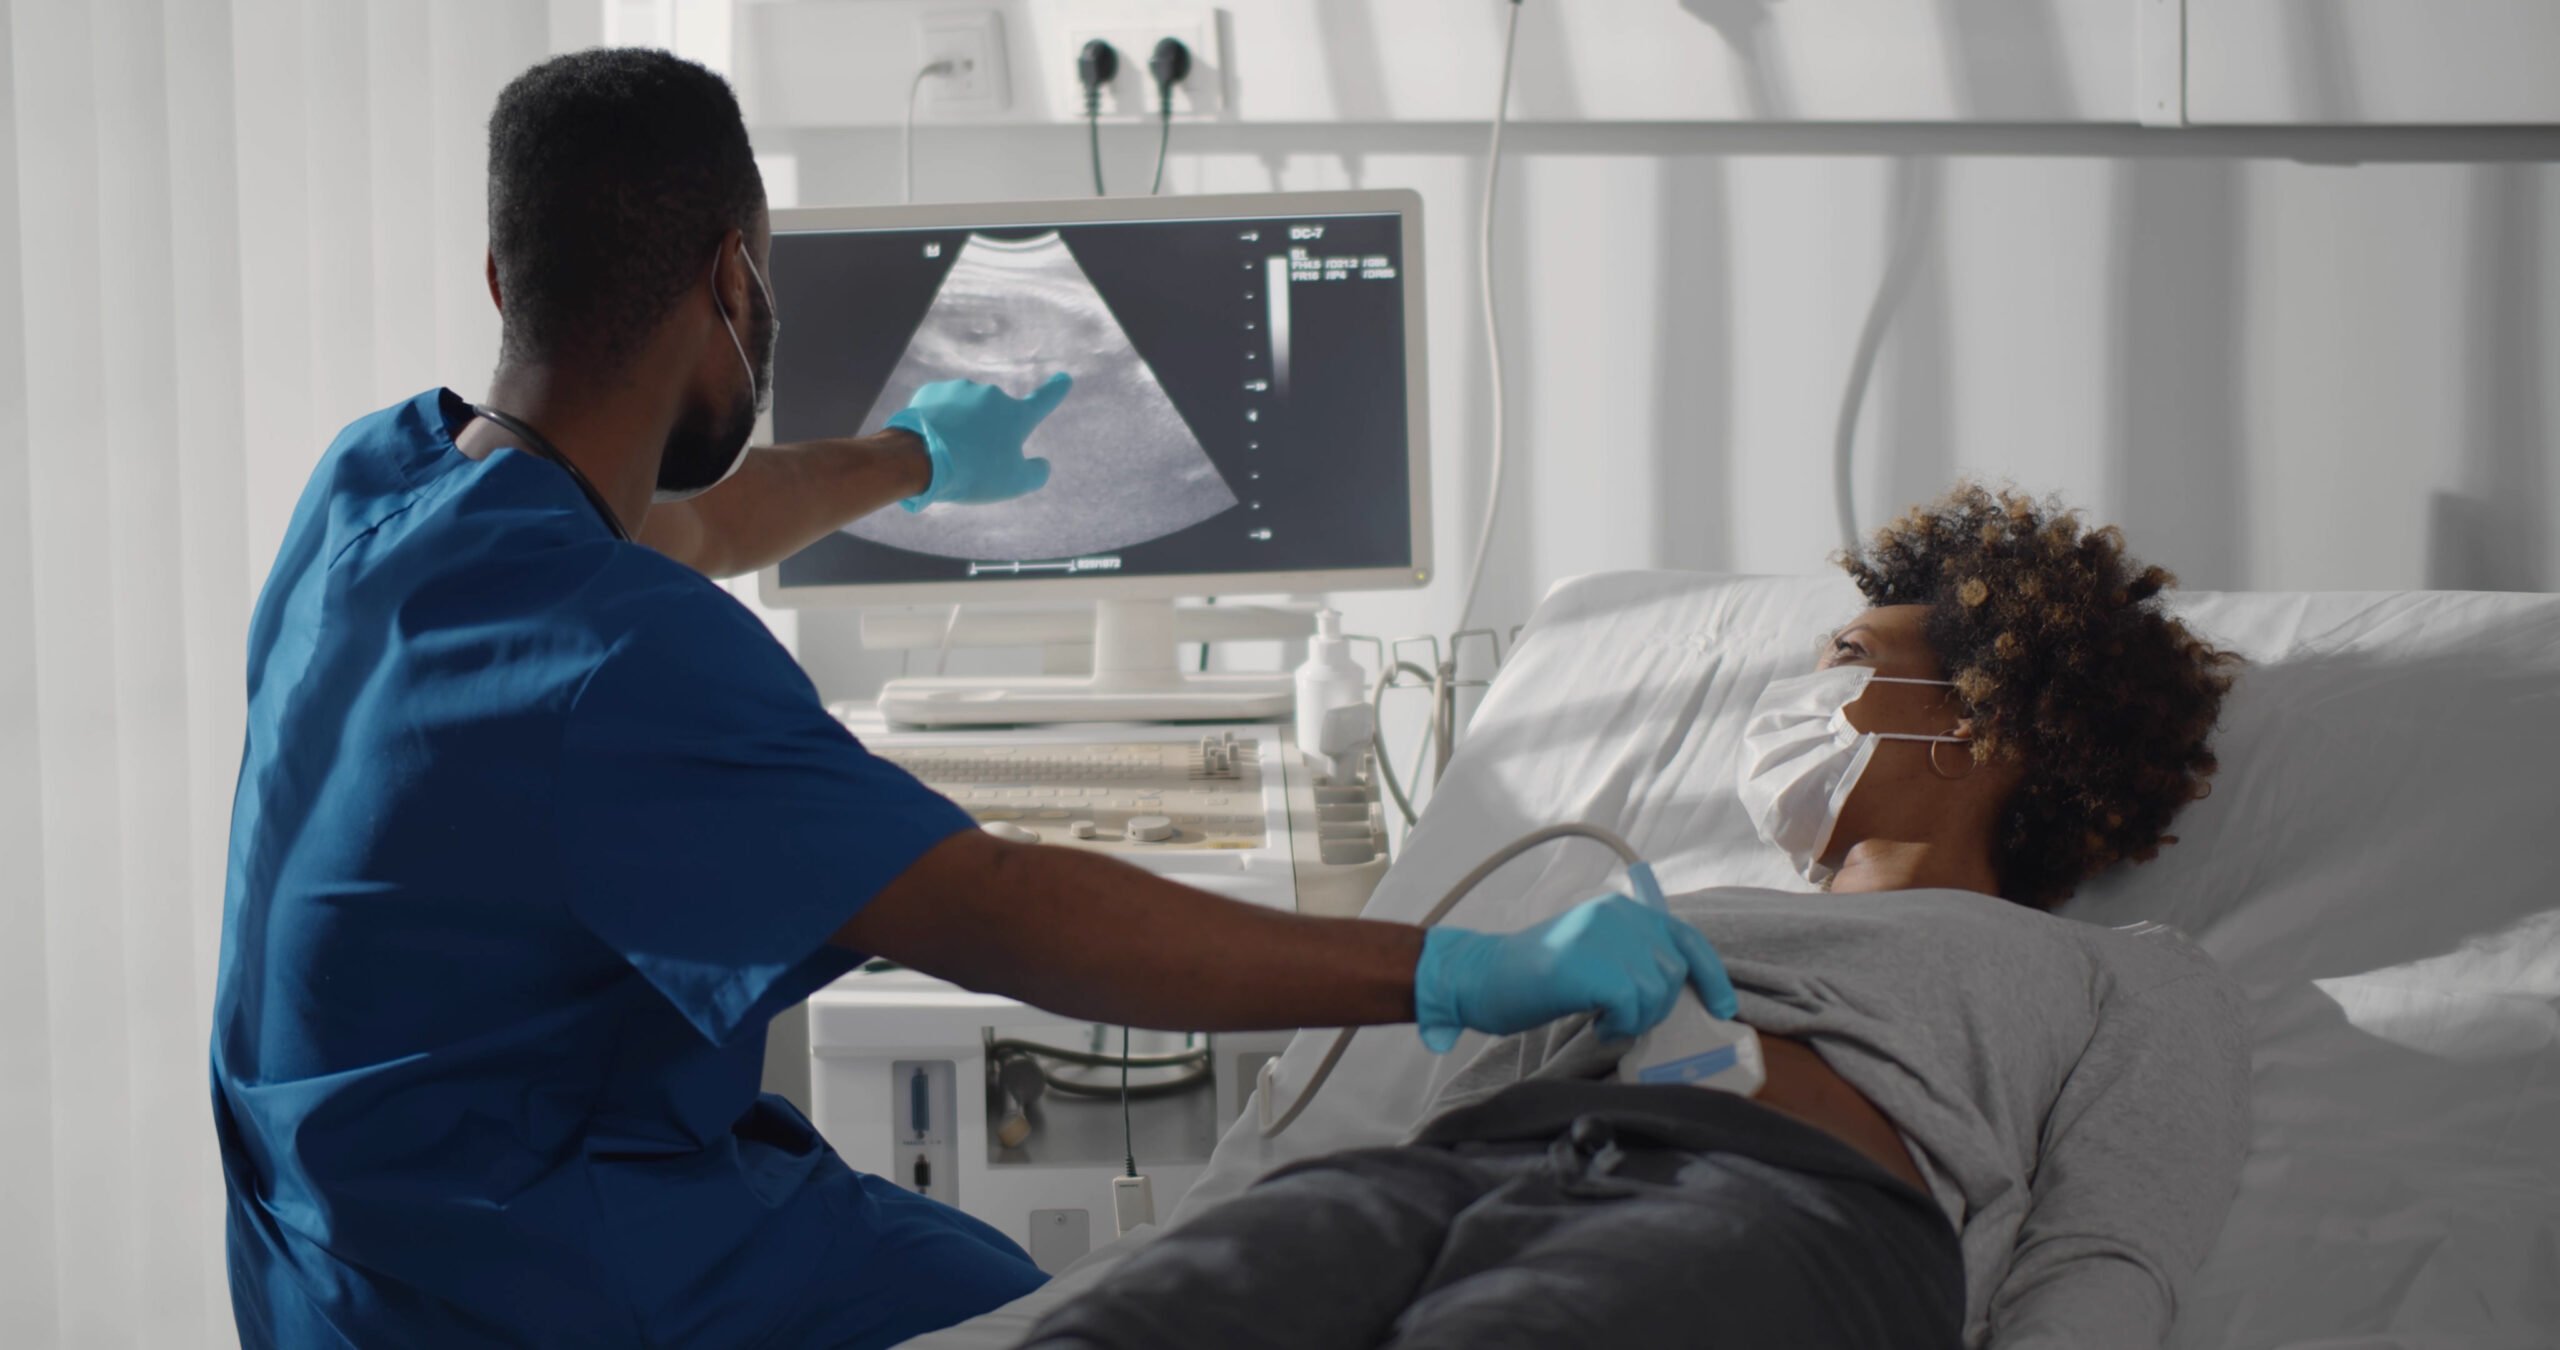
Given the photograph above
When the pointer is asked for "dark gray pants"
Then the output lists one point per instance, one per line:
(1553, 1214)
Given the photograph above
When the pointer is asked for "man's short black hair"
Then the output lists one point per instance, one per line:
(613, 175)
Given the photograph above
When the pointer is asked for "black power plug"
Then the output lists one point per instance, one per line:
(1170, 64)
(1098, 64)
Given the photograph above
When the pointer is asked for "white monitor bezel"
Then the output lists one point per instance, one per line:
(1403, 202)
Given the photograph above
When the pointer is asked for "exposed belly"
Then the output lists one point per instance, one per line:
(1801, 1085)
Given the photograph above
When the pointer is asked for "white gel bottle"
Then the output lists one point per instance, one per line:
(1330, 679)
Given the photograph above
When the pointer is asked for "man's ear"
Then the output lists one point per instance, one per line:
(491, 264)
(729, 279)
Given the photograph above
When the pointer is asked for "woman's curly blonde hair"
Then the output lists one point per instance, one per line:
(2068, 666)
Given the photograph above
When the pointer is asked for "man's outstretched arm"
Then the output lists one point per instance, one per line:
(784, 497)
(955, 441)
(1094, 938)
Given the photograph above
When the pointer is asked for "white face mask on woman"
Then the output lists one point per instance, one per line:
(1801, 759)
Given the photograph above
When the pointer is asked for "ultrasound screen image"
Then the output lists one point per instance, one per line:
(1238, 406)
(1124, 467)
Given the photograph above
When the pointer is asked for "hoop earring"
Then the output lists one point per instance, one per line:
(1970, 765)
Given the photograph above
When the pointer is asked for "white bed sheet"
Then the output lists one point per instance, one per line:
(2375, 865)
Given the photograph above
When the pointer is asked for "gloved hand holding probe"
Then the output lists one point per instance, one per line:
(1626, 960)
(975, 432)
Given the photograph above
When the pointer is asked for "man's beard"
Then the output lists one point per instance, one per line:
(706, 442)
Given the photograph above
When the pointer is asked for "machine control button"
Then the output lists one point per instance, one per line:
(1010, 833)
(1150, 829)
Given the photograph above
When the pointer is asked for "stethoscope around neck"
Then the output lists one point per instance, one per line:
(540, 444)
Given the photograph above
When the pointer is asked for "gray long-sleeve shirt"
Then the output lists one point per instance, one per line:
(2076, 1096)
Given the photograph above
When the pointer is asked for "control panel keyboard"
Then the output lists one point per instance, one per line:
(1117, 796)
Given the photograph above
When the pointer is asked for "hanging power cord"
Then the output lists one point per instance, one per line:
(1919, 212)
(1170, 65)
(1133, 1197)
(1378, 734)
(907, 136)
(1422, 752)
(1098, 64)
(942, 649)
(1639, 876)
(1438, 731)
(1440, 728)
(1128, 1130)
(1441, 736)
(1492, 323)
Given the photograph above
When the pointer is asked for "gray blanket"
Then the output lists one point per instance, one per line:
(1553, 1214)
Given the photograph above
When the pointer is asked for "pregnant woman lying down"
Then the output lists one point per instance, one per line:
(1982, 1125)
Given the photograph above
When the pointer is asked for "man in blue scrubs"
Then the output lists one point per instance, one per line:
(537, 828)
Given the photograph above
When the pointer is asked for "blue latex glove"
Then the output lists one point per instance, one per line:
(974, 432)
(1626, 960)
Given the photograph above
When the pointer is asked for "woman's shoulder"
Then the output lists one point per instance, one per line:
(2146, 956)
(2160, 980)
(2151, 980)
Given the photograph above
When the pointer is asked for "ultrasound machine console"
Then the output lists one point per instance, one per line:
(1247, 418)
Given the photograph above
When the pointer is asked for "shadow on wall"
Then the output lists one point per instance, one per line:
(1693, 367)
(2323, 76)
(2175, 430)
(2494, 534)
(1744, 26)
(1910, 428)
(1353, 74)
(2008, 59)
(1542, 76)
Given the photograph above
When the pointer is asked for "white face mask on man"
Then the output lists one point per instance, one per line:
(703, 453)
(1801, 759)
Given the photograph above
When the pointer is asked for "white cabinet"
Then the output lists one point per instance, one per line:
(847, 62)
(2049, 63)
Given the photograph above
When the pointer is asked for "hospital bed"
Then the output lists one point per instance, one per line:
(2376, 865)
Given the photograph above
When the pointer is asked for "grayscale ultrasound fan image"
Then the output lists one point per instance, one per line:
(1124, 467)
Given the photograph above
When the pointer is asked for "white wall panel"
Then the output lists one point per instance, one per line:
(1588, 426)
(30, 1295)
(2357, 334)
(2022, 313)
(1808, 246)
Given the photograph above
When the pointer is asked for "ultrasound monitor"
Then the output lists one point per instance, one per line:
(1248, 415)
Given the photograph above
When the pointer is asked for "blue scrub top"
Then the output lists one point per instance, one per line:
(536, 830)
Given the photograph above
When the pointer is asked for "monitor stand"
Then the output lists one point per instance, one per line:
(1133, 680)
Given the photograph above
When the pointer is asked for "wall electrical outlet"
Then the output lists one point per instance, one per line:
(1134, 29)
(973, 41)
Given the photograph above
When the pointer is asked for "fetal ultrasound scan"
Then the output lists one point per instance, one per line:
(1124, 467)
